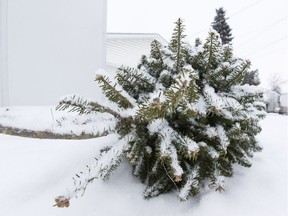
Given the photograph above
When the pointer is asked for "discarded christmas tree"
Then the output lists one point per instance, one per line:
(183, 119)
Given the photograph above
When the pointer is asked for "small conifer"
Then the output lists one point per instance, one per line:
(183, 119)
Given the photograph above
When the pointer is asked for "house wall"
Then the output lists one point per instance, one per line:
(128, 48)
(53, 49)
(3, 54)
(272, 100)
(284, 103)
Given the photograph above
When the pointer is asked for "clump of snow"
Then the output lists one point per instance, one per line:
(211, 132)
(224, 141)
(101, 72)
(191, 181)
(167, 149)
(212, 98)
(162, 126)
(200, 106)
(191, 145)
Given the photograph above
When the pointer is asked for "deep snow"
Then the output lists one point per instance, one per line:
(35, 171)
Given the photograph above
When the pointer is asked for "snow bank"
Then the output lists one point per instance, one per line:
(34, 171)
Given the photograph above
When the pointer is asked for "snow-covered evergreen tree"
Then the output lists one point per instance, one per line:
(183, 119)
(220, 25)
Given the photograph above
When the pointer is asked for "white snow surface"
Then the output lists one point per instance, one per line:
(35, 171)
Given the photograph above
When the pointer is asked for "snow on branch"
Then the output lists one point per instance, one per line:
(78, 104)
(214, 102)
(218, 183)
(103, 166)
(167, 149)
(191, 186)
(112, 93)
(224, 141)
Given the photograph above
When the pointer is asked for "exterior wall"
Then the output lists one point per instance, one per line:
(54, 48)
(126, 49)
(3, 54)
(284, 103)
(272, 100)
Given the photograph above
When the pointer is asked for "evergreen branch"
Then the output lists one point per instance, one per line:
(192, 89)
(108, 161)
(227, 54)
(191, 187)
(112, 94)
(186, 146)
(168, 152)
(175, 94)
(178, 53)
(156, 52)
(81, 106)
(156, 188)
(155, 64)
(177, 45)
(167, 173)
(176, 97)
(211, 47)
(150, 111)
(134, 82)
(238, 74)
(183, 92)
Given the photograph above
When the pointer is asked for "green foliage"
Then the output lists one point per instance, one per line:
(211, 52)
(82, 106)
(134, 82)
(177, 46)
(156, 65)
(192, 119)
(217, 67)
(112, 93)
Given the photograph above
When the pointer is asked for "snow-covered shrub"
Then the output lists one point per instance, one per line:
(183, 119)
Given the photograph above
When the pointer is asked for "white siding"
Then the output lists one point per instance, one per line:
(284, 103)
(271, 98)
(127, 49)
(3, 54)
(54, 47)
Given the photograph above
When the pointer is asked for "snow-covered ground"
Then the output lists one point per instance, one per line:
(35, 171)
